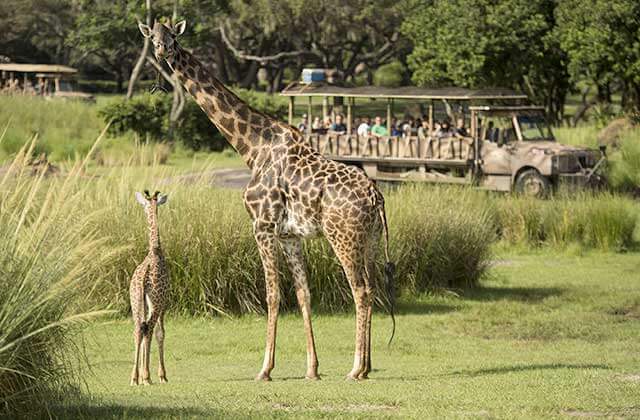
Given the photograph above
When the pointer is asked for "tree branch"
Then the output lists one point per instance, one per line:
(261, 59)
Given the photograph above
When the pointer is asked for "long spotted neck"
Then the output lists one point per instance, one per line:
(154, 235)
(245, 128)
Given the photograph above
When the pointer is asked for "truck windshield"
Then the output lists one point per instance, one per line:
(534, 127)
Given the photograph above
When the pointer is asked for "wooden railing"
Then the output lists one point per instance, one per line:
(413, 147)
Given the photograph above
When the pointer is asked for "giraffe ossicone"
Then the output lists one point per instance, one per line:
(294, 192)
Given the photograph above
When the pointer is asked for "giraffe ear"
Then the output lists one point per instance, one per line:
(143, 201)
(180, 27)
(144, 29)
(162, 199)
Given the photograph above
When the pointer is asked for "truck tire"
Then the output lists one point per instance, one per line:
(532, 184)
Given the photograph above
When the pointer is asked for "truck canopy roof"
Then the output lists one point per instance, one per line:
(406, 92)
(37, 68)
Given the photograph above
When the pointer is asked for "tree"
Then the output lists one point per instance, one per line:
(35, 30)
(476, 43)
(106, 30)
(602, 44)
(342, 35)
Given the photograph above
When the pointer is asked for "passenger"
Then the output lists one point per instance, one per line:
(408, 127)
(378, 129)
(461, 130)
(445, 130)
(395, 131)
(326, 124)
(317, 124)
(492, 133)
(338, 126)
(302, 125)
(423, 130)
(364, 128)
(437, 129)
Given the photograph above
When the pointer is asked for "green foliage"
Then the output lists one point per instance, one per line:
(601, 41)
(145, 115)
(389, 75)
(479, 43)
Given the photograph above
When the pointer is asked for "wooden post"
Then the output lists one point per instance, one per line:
(291, 103)
(349, 116)
(389, 105)
(309, 119)
(325, 107)
(431, 119)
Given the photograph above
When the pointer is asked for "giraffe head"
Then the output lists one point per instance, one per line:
(163, 36)
(151, 202)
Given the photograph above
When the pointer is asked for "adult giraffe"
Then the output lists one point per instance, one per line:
(294, 193)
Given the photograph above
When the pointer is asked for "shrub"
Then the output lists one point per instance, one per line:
(144, 114)
(389, 75)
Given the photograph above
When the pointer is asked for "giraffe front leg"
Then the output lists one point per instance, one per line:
(268, 253)
(162, 374)
(292, 250)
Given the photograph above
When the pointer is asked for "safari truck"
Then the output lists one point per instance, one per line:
(46, 80)
(506, 145)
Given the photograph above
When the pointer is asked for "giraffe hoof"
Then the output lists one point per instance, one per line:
(352, 378)
(134, 382)
(146, 382)
(263, 377)
(363, 376)
(314, 377)
(163, 379)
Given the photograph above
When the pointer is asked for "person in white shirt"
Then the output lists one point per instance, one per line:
(364, 127)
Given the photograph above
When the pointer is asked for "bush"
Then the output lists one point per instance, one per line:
(389, 75)
(144, 114)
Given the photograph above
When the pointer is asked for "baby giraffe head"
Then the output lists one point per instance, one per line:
(163, 36)
(151, 202)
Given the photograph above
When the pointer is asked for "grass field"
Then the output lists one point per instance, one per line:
(552, 336)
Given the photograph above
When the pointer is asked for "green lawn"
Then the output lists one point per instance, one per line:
(546, 335)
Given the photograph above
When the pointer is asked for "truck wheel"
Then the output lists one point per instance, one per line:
(532, 184)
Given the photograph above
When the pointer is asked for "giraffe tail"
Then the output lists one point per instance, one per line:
(389, 270)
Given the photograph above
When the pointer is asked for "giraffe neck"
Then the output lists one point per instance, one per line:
(154, 235)
(242, 126)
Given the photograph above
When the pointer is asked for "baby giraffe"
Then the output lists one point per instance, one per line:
(148, 292)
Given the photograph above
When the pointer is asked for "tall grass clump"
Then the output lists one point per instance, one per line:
(441, 236)
(602, 221)
(49, 264)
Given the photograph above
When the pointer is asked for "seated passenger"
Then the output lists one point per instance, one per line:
(395, 132)
(461, 130)
(338, 126)
(364, 128)
(445, 130)
(423, 130)
(317, 124)
(378, 129)
(302, 125)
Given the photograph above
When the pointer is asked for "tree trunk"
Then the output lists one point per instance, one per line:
(137, 69)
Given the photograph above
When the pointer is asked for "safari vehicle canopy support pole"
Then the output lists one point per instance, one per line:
(349, 116)
(475, 135)
(291, 104)
(431, 119)
(325, 107)
(389, 106)
(309, 117)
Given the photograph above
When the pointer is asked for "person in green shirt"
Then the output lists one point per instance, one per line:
(378, 129)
